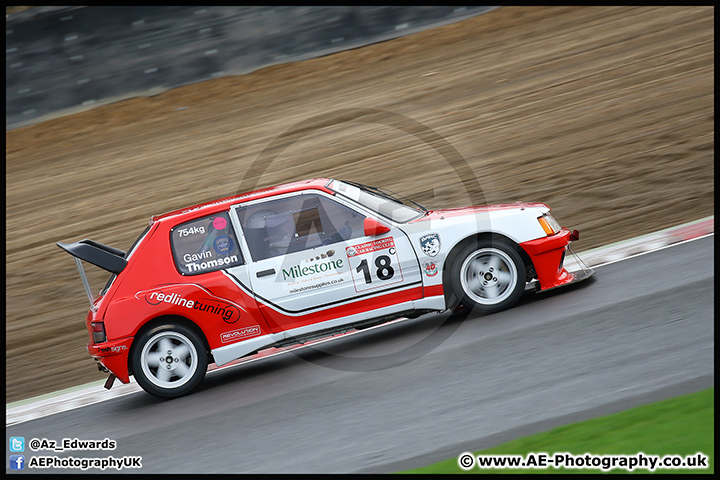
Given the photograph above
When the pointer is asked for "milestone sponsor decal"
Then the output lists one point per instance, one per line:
(430, 244)
(240, 333)
(322, 256)
(317, 285)
(227, 311)
(298, 271)
(316, 272)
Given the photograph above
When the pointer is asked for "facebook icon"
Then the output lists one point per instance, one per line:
(17, 462)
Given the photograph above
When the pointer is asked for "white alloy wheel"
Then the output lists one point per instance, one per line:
(488, 276)
(169, 360)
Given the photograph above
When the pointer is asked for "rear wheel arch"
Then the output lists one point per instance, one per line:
(164, 320)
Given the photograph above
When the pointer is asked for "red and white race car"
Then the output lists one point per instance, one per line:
(222, 280)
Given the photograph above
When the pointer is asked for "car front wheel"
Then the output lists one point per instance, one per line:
(488, 276)
(169, 361)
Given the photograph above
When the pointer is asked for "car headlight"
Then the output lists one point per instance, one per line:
(549, 224)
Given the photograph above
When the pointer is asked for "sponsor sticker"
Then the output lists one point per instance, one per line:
(219, 223)
(373, 246)
(322, 256)
(226, 310)
(430, 244)
(240, 333)
(223, 244)
(374, 264)
(329, 267)
(430, 268)
(113, 349)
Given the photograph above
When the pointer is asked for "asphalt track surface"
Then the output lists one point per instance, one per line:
(641, 330)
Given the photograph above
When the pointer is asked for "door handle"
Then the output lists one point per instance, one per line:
(265, 273)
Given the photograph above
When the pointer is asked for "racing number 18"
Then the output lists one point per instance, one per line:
(384, 270)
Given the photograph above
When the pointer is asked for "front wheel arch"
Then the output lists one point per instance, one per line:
(452, 301)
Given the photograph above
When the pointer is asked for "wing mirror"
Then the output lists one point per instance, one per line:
(372, 227)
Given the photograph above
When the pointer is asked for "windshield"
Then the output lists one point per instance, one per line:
(388, 204)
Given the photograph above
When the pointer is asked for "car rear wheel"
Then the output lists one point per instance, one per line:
(169, 361)
(488, 276)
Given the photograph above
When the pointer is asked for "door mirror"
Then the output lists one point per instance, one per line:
(373, 227)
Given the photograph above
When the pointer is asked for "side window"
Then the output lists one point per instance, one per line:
(205, 245)
(298, 223)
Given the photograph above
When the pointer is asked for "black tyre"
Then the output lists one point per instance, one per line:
(169, 361)
(488, 276)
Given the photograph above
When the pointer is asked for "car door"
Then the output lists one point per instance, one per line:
(312, 266)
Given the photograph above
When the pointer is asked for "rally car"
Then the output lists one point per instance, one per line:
(222, 280)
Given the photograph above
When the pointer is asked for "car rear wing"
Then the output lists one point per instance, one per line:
(106, 257)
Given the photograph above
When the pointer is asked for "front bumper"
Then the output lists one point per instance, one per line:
(548, 256)
(113, 355)
(572, 277)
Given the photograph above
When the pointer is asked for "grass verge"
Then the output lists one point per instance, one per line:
(678, 426)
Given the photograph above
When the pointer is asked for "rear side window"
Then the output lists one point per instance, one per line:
(205, 245)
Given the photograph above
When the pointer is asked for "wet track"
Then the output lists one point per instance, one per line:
(640, 331)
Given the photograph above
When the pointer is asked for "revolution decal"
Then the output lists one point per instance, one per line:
(240, 333)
